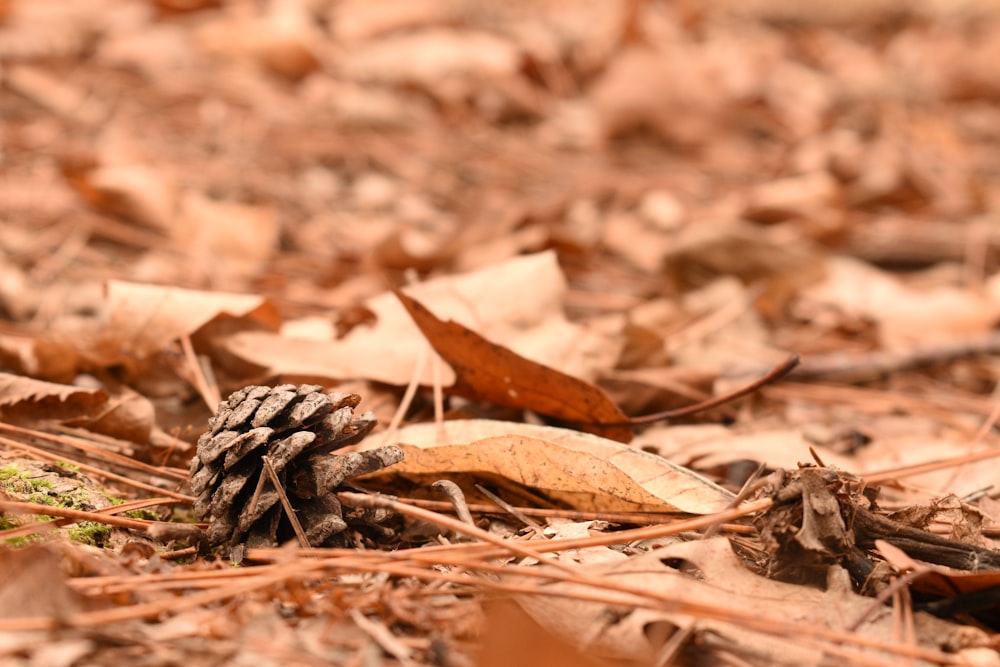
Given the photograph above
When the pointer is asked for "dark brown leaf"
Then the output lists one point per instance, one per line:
(489, 372)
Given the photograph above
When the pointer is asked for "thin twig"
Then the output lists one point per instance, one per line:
(407, 400)
(255, 498)
(928, 466)
(209, 391)
(454, 494)
(43, 526)
(844, 367)
(382, 636)
(672, 647)
(72, 438)
(748, 487)
(510, 509)
(879, 601)
(776, 373)
(977, 439)
(75, 515)
(438, 397)
(94, 470)
(285, 503)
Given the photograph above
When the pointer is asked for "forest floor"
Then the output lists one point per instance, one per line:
(482, 258)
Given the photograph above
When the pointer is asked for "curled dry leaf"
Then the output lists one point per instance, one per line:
(584, 471)
(284, 41)
(128, 415)
(430, 57)
(489, 372)
(25, 399)
(137, 192)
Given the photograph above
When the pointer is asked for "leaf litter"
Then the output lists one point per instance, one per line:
(522, 236)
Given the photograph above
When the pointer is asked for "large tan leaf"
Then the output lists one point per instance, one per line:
(906, 314)
(582, 470)
(518, 302)
(707, 446)
(713, 576)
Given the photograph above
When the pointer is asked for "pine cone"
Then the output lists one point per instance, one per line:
(297, 429)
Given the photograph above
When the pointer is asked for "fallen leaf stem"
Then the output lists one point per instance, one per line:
(776, 373)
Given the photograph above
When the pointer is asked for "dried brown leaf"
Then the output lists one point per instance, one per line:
(139, 193)
(41, 358)
(127, 415)
(513, 637)
(32, 584)
(489, 372)
(23, 398)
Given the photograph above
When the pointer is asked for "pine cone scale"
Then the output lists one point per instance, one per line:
(310, 410)
(244, 444)
(271, 407)
(287, 449)
(243, 410)
(217, 447)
